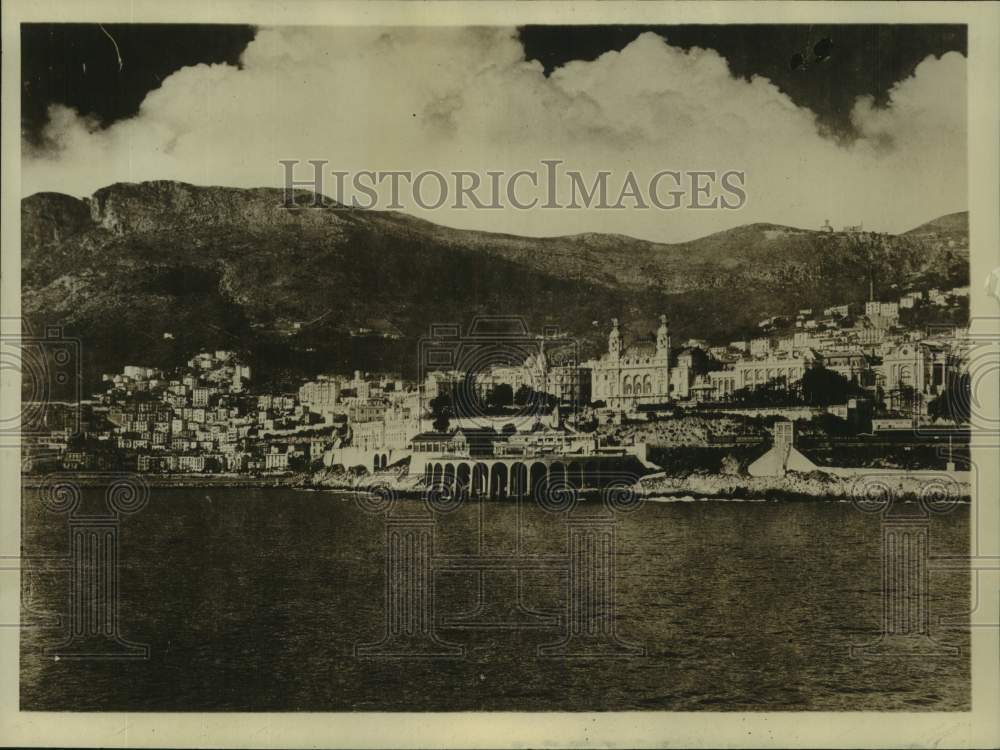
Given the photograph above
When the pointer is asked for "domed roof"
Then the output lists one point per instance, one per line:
(640, 350)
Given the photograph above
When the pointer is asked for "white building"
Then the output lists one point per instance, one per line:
(640, 373)
(783, 457)
(321, 395)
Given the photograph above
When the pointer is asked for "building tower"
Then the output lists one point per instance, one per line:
(614, 341)
(542, 363)
(663, 338)
(663, 358)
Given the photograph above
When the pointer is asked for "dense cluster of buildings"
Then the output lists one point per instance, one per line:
(869, 346)
(206, 417)
(199, 419)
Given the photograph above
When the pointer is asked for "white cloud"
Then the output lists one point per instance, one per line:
(465, 98)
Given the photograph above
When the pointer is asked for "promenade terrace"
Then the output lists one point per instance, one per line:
(532, 476)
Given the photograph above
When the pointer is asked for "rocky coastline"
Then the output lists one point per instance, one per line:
(816, 485)
(793, 486)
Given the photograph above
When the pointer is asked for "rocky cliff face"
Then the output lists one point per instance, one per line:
(48, 218)
(155, 206)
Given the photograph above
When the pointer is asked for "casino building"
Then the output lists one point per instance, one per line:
(637, 374)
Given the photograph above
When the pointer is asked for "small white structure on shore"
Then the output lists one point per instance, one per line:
(783, 457)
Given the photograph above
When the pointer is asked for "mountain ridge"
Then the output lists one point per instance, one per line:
(158, 269)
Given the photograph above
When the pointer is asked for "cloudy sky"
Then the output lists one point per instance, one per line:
(872, 130)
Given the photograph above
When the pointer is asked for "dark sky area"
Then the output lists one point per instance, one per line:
(824, 68)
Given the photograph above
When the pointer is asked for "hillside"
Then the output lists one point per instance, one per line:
(950, 226)
(151, 272)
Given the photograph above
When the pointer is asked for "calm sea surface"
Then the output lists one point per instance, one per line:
(257, 599)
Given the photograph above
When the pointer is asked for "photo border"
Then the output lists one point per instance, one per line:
(979, 727)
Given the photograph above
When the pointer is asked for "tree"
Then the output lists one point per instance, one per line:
(955, 401)
(730, 465)
(775, 392)
(902, 399)
(525, 395)
(536, 401)
(831, 425)
(500, 396)
(702, 363)
(822, 387)
(870, 251)
(441, 412)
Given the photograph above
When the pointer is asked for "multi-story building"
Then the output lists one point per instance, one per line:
(759, 347)
(544, 442)
(368, 436)
(321, 395)
(754, 373)
(436, 442)
(626, 377)
(194, 463)
(367, 411)
(719, 353)
(201, 395)
(927, 367)
(868, 336)
(882, 314)
(570, 383)
(804, 340)
(854, 366)
(723, 383)
(276, 459)
(138, 372)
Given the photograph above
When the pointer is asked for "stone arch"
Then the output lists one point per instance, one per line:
(647, 386)
(449, 476)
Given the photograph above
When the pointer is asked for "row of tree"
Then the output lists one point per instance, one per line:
(818, 387)
(501, 400)
(822, 387)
